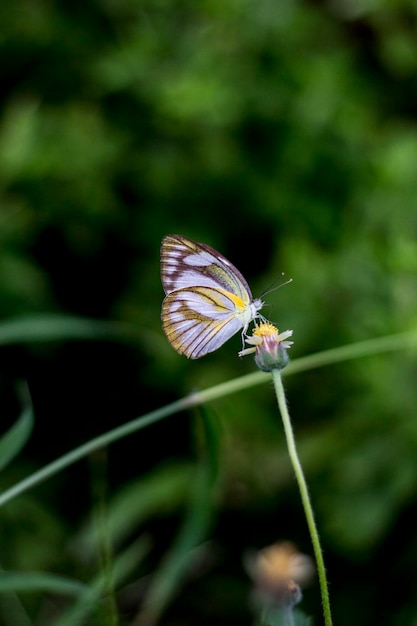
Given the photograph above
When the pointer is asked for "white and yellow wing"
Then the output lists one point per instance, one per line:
(198, 320)
(186, 263)
(207, 300)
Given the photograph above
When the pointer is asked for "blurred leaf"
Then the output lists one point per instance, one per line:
(124, 564)
(12, 612)
(17, 138)
(157, 493)
(21, 521)
(39, 581)
(23, 286)
(12, 442)
(199, 516)
(51, 327)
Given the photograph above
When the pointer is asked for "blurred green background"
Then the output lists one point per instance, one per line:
(284, 134)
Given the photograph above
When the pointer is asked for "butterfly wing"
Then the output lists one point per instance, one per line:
(186, 263)
(198, 320)
(207, 299)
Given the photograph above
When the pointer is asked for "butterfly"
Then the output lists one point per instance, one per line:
(207, 299)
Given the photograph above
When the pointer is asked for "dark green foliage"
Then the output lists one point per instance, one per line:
(284, 134)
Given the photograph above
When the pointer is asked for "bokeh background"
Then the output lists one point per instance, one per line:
(284, 134)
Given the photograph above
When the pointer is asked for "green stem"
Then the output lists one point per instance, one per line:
(336, 355)
(194, 399)
(299, 474)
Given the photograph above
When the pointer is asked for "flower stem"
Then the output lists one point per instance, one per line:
(299, 474)
(288, 616)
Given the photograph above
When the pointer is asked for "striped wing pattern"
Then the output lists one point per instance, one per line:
(186, 263)
(207, 299)
(198, 320)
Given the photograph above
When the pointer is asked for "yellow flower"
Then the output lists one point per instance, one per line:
(270, 346)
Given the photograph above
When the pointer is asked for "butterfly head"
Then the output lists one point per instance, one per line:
(257, 305)
(253, 309)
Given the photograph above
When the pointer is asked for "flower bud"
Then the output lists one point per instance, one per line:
(270, 347)
(278, 571)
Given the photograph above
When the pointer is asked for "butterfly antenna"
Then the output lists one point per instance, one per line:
(274, 285)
